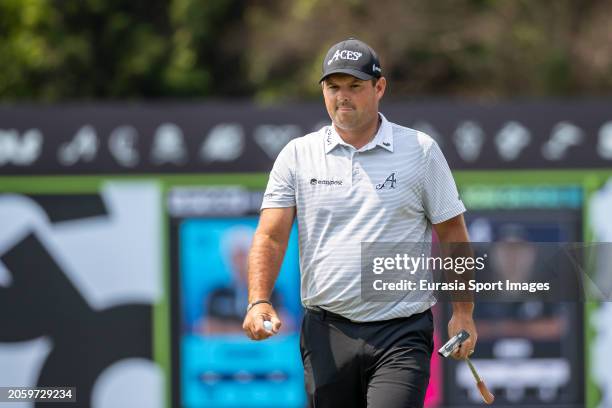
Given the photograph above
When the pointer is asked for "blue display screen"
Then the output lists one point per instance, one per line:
(219, 366)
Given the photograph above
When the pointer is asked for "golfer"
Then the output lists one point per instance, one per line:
(361, 179)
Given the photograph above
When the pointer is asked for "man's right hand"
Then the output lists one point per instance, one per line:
(253, 324)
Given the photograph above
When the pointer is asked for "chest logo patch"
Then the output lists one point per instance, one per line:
(389, 182)
(314, 182)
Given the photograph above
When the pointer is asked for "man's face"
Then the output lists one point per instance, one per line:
(351, 103)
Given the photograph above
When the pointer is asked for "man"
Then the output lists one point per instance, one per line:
(225, 305)
(362, 179)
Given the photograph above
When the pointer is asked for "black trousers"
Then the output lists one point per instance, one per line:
(357, 365)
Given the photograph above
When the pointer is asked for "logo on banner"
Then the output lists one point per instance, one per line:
(20, 150)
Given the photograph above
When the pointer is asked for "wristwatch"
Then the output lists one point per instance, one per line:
(250, 305)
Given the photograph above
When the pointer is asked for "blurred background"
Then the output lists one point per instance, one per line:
(135, 143)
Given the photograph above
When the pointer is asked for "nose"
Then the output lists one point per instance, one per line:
(342, 97)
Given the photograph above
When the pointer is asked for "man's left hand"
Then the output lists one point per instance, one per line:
(463, 321)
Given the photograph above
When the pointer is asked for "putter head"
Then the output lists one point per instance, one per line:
(451, 345)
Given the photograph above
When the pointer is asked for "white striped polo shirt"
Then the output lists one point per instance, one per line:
(390, 190)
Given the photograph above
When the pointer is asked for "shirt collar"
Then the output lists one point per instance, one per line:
(383, 138)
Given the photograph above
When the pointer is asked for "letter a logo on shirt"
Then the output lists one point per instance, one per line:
(388, 183)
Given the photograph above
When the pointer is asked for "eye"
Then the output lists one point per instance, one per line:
(355, 85)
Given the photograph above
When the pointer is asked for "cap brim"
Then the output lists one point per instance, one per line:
(353, 72)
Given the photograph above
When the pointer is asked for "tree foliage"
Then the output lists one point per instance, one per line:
(108, 49)
(52, 50)
(467, 48)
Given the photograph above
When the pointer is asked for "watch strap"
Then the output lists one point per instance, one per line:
(257, 302)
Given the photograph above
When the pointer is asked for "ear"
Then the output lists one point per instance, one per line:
(380, 87)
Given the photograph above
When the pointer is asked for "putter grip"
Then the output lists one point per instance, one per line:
(484, 391)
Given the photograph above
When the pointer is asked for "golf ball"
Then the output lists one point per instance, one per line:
(267, 325)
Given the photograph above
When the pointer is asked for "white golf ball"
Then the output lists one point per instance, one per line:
(267, 325)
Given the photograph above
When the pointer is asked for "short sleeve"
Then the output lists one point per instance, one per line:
(280, 191)
(441, 199)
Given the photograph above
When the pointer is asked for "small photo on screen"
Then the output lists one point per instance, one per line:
(220, 366)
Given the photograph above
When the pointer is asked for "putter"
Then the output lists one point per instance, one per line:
(450, 346)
